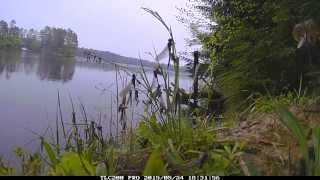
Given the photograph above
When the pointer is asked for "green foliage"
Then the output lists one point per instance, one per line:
(310, 9)
(292, 123)
(312, 164)
(31, 164)
(252, 48)
(50, 152)
(190, 147)
(109, 166)
(225, 161)
(155, 165)
(9, 42)
(266, 103)
(158, 135)
(73, 164)
(56, 41)
(182, 146)
(70, 163)
(316, 143)
(9, 35)
(5, 170)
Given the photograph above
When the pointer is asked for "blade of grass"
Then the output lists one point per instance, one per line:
(61, 117)
(292, 123)
(155, 165)
(316, 143)
(50, 152)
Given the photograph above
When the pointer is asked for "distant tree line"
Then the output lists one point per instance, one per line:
(54, 40)
(9, 35)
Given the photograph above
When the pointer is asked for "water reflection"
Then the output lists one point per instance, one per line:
(9, 63)
(53, 68)
(47, 67)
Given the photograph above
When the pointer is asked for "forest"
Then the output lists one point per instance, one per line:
(254, 109)
(54, 40)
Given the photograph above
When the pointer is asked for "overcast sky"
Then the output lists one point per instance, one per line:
(119, 26)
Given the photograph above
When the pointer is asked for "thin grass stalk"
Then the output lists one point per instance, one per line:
(61, 118)
(144, 76)
(86, 130)
(177, 83)
(111, 116)
(176, 110)
(175, 59)
(148, 87)
(289, 158)
(75, 126)
(292, 123)
(117, 86)
(166, 80)
(57, 133)
(100, 138)
(316, 144)
(132, 116)
(93, 134)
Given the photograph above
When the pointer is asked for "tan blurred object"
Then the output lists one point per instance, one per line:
(307, 31)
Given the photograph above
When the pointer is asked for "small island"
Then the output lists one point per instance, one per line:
(56, 41)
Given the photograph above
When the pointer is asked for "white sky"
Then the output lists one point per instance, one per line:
(119, 26)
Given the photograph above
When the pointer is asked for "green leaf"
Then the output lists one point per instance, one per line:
(5, 170)
(102, 170)
(175, 154)
(50, 152)
(20, 152)
(155, 165)
(316, 143)
(292, 123)
(73, 165)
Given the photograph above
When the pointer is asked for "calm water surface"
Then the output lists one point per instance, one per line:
(29, 84)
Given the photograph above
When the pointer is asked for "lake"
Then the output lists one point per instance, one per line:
(29, 86)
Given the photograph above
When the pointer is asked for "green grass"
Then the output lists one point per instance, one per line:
(311, 164)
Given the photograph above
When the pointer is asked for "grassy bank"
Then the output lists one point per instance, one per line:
(272, 140)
